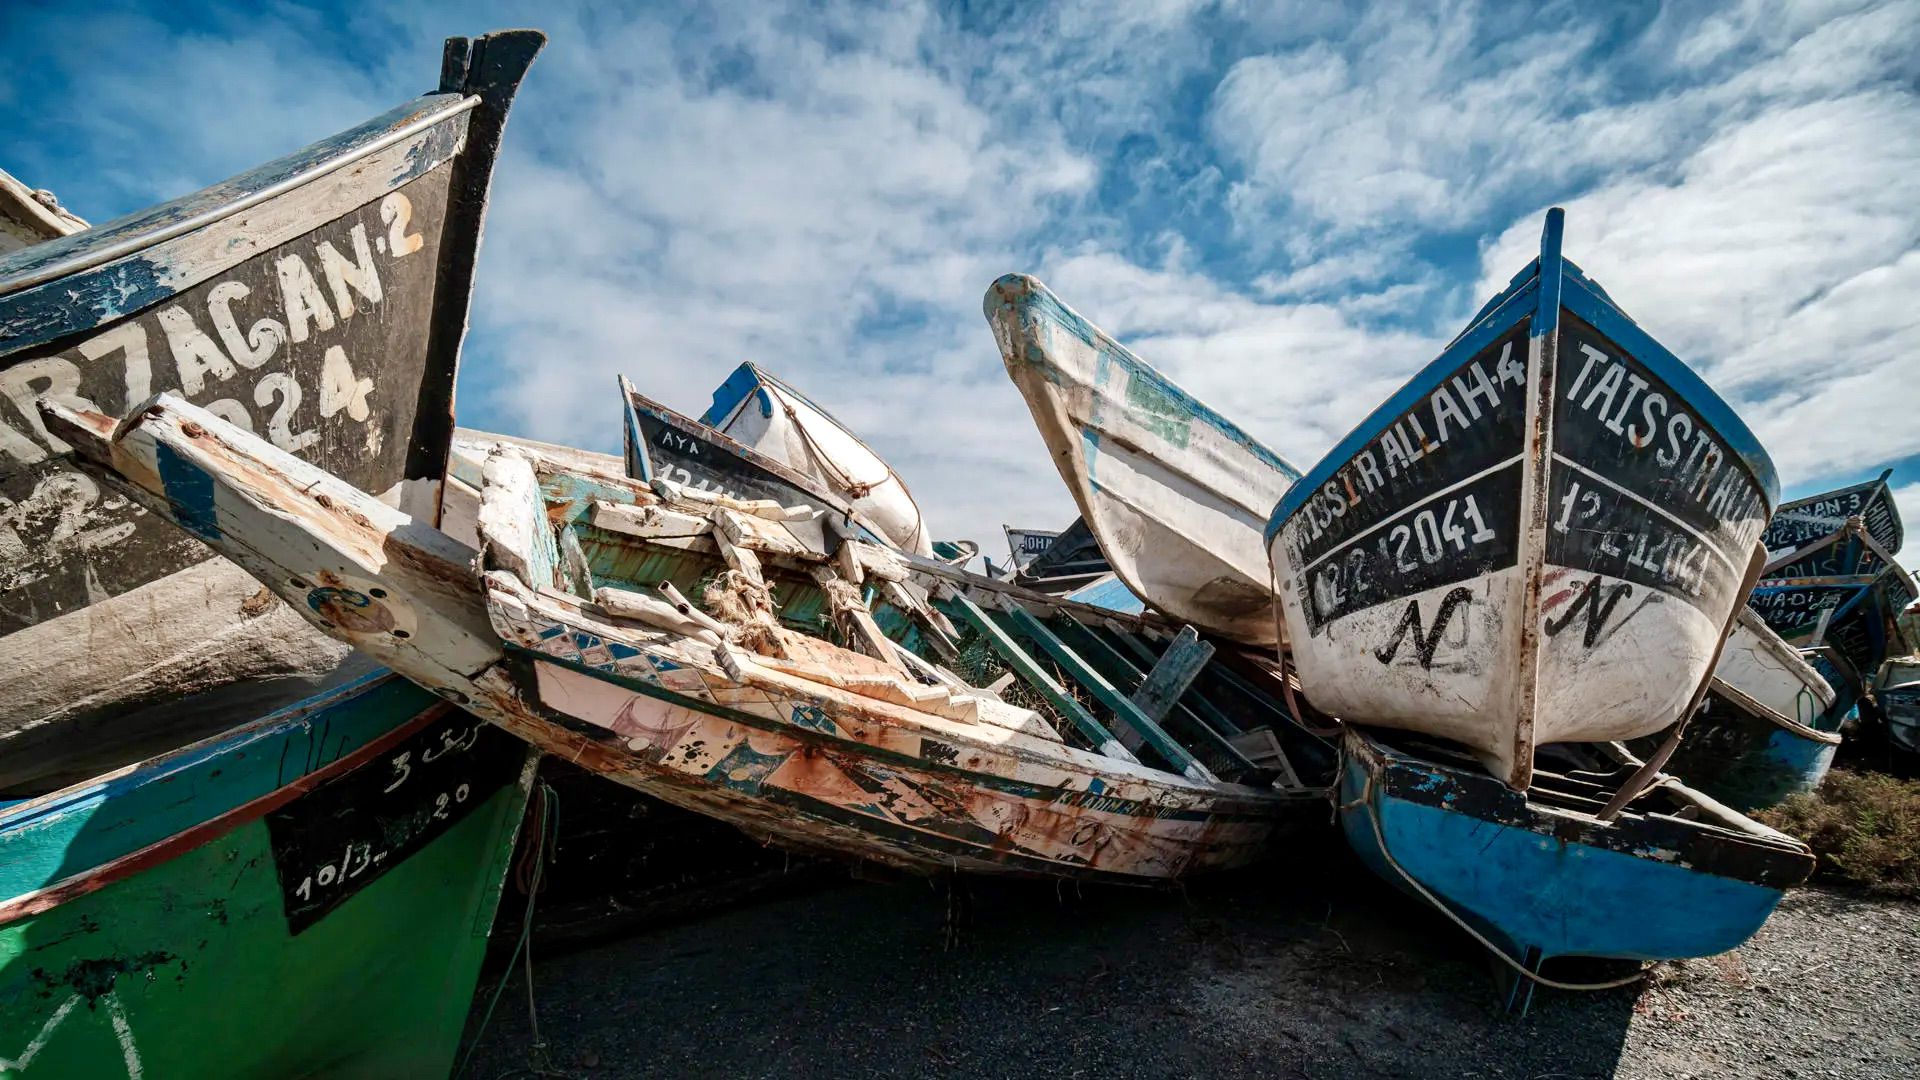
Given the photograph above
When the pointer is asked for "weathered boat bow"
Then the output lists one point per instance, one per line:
(588, 649)
(238, 494)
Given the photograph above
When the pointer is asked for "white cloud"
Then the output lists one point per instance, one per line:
(1781, 264)
(1272, 202)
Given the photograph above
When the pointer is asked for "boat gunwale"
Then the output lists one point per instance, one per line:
(129, 234)
(95, 878)
(1225, 791)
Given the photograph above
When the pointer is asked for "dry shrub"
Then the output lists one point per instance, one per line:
(1864, 826)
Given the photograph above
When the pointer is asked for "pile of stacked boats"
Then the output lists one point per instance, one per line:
(1489, 625)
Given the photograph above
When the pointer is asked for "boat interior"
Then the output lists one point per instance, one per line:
(1104, 682)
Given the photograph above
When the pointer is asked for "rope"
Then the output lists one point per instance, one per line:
(529, 875)
(855, 488)
(1373, 817)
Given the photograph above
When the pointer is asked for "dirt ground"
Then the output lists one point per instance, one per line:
(1307, 968)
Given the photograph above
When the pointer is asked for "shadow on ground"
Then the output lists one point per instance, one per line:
(1305, 968)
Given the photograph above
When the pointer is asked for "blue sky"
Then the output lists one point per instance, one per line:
(1286, 206)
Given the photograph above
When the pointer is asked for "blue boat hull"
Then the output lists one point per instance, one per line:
(1541, 881)
(1749, 762)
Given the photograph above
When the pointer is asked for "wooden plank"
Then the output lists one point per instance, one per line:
(1123, 707)
(1194, 713)
(1112, 664)
(1199, 698)
(1176, 670)
(958, 606)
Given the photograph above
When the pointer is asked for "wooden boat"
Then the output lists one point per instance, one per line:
(773, 419)
(1548, 873)
(1849, 619)
(876, 753)
(1896, 688)
(1174, 492)
(209, 811)
(1807, 537)
(337, 862)
(320, 300)
(1770, 726)
(1443, 570)
(661, 443)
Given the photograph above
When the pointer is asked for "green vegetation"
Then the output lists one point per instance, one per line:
(1865, 827)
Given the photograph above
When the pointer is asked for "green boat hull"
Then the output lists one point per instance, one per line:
(325, 927)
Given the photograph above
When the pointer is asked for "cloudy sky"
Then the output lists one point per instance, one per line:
(1286, 206)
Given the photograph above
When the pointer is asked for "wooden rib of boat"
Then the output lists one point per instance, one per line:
(1175, 493)
(208, 809)
(1540, 538)
(773, 419)
(878, 752)
(1547, 873)
(319, 300)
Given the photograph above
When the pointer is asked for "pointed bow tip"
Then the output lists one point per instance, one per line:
(1010, 289)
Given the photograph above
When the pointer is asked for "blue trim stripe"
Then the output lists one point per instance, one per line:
(639, 461)
(1546, 315)
(744, 380)
(190, 489)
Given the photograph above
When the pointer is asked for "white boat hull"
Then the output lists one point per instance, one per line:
(779, 422)
(1175, 494)
(1502, 556)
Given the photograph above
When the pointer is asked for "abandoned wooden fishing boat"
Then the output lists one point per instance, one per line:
(1849, 621)
(772, 418)
(320, 300)
(1566, 868)
(661, 443)
(1809, 537)
(1174, 492)
(576, 632)
(1770, 725)
(1896, 688)
(338, 861)
(208, 810)
(1540, 538)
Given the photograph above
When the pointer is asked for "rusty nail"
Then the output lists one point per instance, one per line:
(192, 430)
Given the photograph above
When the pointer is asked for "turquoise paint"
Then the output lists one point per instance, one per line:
(1528, 891)
(190, 489)
(1110, 593)
(47, 840)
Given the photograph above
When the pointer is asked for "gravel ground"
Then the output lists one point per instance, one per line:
(1274, 973)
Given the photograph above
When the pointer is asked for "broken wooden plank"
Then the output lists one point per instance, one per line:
(1188, 713)
(1123, 707)
(1175, 671)
(1200, 697)
(843, 602)
(958, 606)
(512, 524)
